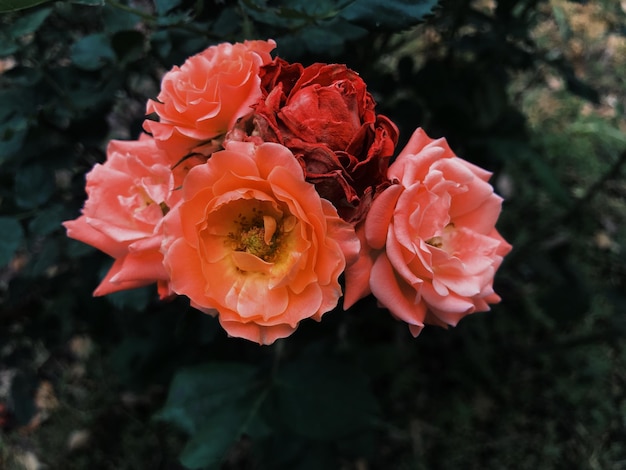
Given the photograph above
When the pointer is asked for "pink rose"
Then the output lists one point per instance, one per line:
(430, 248)
(128, 196)
(254, 243)
(202, 99)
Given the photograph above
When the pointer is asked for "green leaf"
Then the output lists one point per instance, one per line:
(91, 3)
(163, 7)
(7, 47)
(43, 260)
(280, 16)
(24, 76)
(222, 428)
(197, 393)
(388, 14)
(128, 45)
(75, 249)
(29, 23)
(92, 52)
(133, 299)
(34, 185)
(48, 220)
(215, 403)
(13, 5)
(116, 20)
(325, 398)
(328, 37)
(12, 135)
(11, 237)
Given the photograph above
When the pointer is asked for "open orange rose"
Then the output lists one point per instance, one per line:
(254, 243)
(430, 248)
(325, 115)
(202, 99)
(128, 196)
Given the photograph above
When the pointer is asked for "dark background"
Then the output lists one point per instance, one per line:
(531, 90)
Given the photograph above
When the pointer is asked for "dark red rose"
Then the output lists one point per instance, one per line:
(325, 115)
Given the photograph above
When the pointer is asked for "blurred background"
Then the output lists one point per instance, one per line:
(533, 90)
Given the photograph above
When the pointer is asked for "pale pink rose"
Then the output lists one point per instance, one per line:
(202, 99)
(128, 196)
(430, 247)
(253, 243)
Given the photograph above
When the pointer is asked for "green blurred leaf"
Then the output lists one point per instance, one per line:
(539, 168)
(173, 19)
(198, 392)
(29, 23)
(24, 76)
(325, 398)
(22, 393)
(388, 14)
(131, 355)
(75, 249)
(222, 428)
(48, 220)
(12, 5)
(92, 52)
(285, 14)
(163, 7)
(12, 134)
(34, 184)
(116, 20)
(44, 259)
(133, 299)
(11, 237)
(227, 22)
(17, 102)
(215, 403)
(91, 3)
(328, 37)
(600, 129)
(7, 47)
(128, 45)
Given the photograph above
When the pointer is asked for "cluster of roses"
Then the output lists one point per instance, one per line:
(259, 182)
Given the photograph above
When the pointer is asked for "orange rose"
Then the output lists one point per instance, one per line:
(255, 243)
(430, 244)
(127, 198)
(202, 99)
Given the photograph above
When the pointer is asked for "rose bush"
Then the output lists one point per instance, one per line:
(202, 99)
(128, 196)
(325, 115)
(430, 248)
(255, 244)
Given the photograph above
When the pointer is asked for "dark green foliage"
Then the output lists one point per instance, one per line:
(536, 383)
(11, 237)
(324, 398)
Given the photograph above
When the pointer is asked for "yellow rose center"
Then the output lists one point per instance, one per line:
(442, 241)
(262, 234)
(253, 240)
(437, 242)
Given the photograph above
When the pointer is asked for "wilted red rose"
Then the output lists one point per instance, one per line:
(325, 115)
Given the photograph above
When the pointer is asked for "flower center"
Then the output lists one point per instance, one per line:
(261, 236)
(253, 241)
(438, 241)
